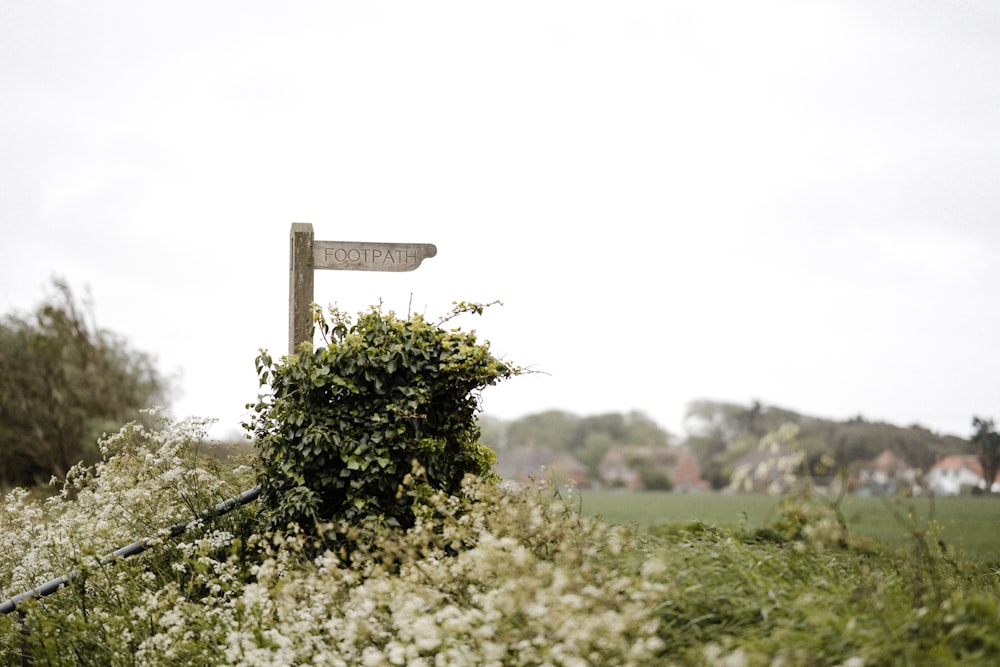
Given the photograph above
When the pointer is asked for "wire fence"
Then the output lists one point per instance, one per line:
(54, 585)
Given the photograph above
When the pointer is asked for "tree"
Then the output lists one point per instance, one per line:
(720, 433)
(595, 446)
(552, 429)
(63, 381)
(987, 442)
(587, 438)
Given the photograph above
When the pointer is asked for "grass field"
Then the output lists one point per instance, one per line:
(971, 525)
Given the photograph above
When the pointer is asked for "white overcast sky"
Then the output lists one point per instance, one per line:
(795, 202)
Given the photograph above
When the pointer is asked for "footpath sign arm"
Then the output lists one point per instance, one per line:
(308, 255)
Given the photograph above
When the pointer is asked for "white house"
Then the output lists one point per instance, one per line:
(951, 474)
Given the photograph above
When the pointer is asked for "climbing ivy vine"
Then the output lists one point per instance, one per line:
(358, 427)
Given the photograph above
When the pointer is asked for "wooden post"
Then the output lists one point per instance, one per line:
(300, 285)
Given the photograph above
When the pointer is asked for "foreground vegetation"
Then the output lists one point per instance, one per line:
(488, 576)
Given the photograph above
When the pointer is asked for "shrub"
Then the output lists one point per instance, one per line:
(344, 424)
(655, 479)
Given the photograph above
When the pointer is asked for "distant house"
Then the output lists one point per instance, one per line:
(526, 462)
(951, 474)
(622, 466)
(885, 475)
(686, 473)
(616, 469)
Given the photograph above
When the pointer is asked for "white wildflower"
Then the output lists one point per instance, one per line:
(652, 567)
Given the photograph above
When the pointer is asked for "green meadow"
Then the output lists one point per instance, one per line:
(969, 525)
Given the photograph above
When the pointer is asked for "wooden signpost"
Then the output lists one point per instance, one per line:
(308, 255)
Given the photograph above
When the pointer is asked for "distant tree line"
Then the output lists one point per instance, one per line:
(720, 433)
(586, 438)
(63, 382)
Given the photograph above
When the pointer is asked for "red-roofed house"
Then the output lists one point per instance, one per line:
(531, 461)
(886, 474)
(621, 466)
(951, 474)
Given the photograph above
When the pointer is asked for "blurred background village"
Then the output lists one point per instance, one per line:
(743, 448)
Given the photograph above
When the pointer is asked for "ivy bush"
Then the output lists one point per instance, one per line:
(340, 427)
